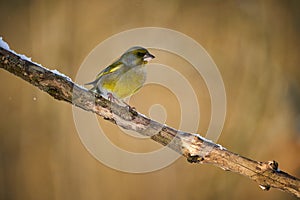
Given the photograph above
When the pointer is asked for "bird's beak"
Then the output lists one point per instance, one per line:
(147, 57)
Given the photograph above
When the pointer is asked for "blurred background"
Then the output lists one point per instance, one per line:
(255, 45)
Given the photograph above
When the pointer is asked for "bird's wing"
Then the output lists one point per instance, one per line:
(108, 70)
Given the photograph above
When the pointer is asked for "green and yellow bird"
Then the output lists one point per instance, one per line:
(125, 76)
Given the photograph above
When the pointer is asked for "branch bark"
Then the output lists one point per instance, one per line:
(192, 146)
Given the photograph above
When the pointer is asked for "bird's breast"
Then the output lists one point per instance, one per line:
(124, 84)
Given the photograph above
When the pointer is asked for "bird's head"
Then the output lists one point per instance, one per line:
(136, 56)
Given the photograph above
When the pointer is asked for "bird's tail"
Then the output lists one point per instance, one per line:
(94, 84)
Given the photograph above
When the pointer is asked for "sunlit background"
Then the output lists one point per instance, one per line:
(255, 45)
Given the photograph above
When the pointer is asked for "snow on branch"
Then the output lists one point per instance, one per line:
(195, 148)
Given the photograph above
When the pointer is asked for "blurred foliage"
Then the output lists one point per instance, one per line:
(255, 44)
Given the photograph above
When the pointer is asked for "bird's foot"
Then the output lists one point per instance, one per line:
(111, 97)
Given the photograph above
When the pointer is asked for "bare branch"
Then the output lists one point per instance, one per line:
(192, 146)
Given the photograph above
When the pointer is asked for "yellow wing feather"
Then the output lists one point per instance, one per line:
(110, 69)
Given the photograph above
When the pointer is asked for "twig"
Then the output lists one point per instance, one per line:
(192, 146)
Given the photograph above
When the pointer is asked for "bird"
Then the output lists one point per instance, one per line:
(124, 77)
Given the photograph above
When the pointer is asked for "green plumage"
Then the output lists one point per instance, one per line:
(125, 76)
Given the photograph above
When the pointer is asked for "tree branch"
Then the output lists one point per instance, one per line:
(192, 146)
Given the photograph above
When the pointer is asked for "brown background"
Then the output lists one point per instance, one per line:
(255, 44)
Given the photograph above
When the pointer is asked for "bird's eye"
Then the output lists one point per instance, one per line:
(140, 54)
